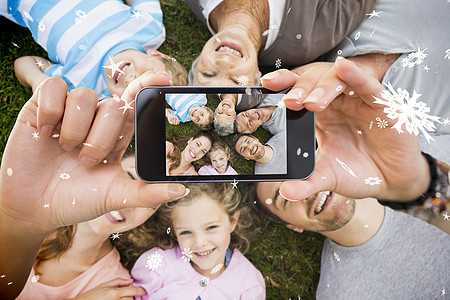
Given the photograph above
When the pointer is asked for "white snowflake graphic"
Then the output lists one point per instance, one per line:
(27, 15)
(28, 123)
(357, 35)
(339, 88)
(35, 278)
(372, 180)
(168, 230)
(248, 91)
(360, 132)
(80, 14)
(346, 168)
(407, 110)
(336, 256)
(446, 216)
(242, 80)
(136, 14)
(126, 106)
(115, 236)
(64, 176)
(339, 52)
(372, 33)
(298, 36)
(374, 14)
(36, 135)
(266, 32)
(9, 172)
(41, 27)
(278, 63)
(82, 47)
(187, 254)
(154, 261)
(46, 205)
(445, 121)
(281, 104)
(114, 67)
(15, 45)
(305, 154)
(426, 68)
(447, 54)
(39, 63)
(380, 123)
(74, 201)
(234, 184)
(216, 269)
(269, 201)
(414, 58)
(299, 151)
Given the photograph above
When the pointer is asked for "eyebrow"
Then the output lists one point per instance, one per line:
(275, 199)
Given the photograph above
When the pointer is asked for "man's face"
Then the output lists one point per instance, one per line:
(250, 147)
(248, 121)
(227, 59)
(321, 212)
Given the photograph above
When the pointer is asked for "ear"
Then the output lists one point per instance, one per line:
(154, 52)
(234, 219)
(295, 228)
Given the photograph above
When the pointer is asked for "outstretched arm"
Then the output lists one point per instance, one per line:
(173, 119)
(64, 150)
(30, 70)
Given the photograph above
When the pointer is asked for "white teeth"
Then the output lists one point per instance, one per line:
(229, 49)
(205, 253)
(192, 154)
(255, 149)
(116, 215)
(322, 202)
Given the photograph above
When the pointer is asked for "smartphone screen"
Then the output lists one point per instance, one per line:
(202, 134)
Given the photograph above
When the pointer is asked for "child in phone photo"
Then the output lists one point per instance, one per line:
(189, 107)
(220, 156)
(195, 244)
(99, 44)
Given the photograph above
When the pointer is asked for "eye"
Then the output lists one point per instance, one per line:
(185, 232)
(235, 82)
(207, 75)
(198, 144)
(285, 203)
(211, 227)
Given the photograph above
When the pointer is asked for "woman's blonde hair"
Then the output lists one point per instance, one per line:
(155, 231)
(179, 144)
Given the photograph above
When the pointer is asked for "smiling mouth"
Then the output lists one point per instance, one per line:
(116, 216)
(255, 148)
(257, 115)
(230, 48)
(192, 154)
(226, 104)
(323, 200)
(120, 73)
(204, 254)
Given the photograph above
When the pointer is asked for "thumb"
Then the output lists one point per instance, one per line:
(302, 189)
(127, 192)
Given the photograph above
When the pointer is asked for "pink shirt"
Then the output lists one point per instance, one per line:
(165, 275)
(210, 170)
(106, 269)
(169, 148)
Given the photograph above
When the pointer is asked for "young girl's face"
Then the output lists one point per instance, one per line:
(219, 160)
(205, 228)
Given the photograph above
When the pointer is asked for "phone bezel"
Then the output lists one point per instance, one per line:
(147, 154)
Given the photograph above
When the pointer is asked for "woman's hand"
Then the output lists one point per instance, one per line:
(49, 180)
(114, 289)
(358, 156)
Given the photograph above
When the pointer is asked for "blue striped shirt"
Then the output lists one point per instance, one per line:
(81, 35)
(181, 103)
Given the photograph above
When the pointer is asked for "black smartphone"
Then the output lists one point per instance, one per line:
(221, 134)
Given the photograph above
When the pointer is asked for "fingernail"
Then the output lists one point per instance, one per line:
(288, 199)
(339, 58)
(47, 130)
(295, 94)
(314, 96)
(88, 162)
(67, 147)
(175, 190)
(270, 76)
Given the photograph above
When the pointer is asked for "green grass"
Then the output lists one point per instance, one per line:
(289, 262)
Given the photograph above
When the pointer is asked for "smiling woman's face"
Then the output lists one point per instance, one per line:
(196, 149)
(227, 59)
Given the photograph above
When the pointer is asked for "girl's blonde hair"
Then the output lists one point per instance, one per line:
(155, 231)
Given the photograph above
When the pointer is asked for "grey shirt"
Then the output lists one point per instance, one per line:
(278, 164)
(277, 121)
(420, 31)
(406, 259)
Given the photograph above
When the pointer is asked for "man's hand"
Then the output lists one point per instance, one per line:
(357, 156)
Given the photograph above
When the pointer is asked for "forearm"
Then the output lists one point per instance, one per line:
(29, 72)
(19, 244)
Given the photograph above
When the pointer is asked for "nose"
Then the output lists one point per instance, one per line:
(200, 241)
(225, 60)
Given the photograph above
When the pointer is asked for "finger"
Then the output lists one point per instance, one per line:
(105, 130)
(302, 189)
(117, 282)
(279, 80)
(365, 85)
(146, 79)
(50, 96)
(79, 112)
(126, 192)
(128, 292)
